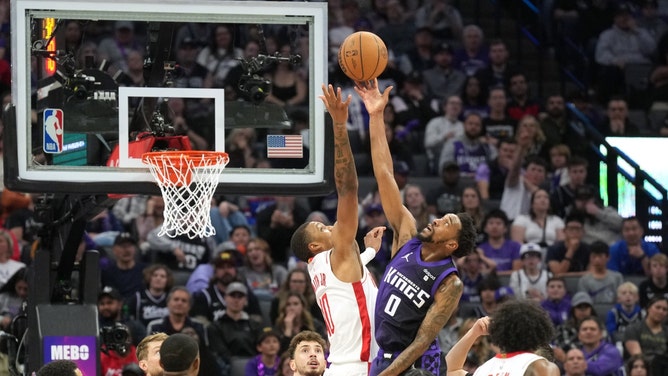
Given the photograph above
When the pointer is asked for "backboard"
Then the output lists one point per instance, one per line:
(146, 75)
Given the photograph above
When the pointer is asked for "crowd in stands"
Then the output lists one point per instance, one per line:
(462, 112)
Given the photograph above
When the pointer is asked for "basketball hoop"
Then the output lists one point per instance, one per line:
(187, 180)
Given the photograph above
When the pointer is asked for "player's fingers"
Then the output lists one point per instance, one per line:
(387, 91)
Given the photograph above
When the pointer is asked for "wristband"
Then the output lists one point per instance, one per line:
(370, 248)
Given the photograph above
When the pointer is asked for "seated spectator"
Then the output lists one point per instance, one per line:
(267, 362)
(638, 365)
(413, 106)
(288, 87)
(474, 98)
(520, 185)
(600, 282)
(657, 282)
(124, 273)
(110, 313)
(179, 302)
(469, 150)
(8, 265)
(575, 363)
(557, 303)
(617, 122)
(603, 358)
(421, 55)
(443, 80)
(224, 218)
(554, 123)
(625, 312)
(570, 256)
(416, 203)
(441, 17)
(622, 44)
(150, 219)
(151, 303)
(559, 156)
(497, 73)
(649, 337)
(497, 124)
(528, 129)
(539, 226)
(234, 333)
(490, 177)
(12, 296)
(602, 223)
(567, 333)
(520, 104)
(259, 270)
(530, 281)
(471, 274)
(240, 235)
(449, 334)
(298, 280)
(487, 303)
(442, 129)
(446, 198)
(630, 256)
(276, 223)
(563, 197)
(181, 253)
(499, 253)
(472, 205)
(473, 55)
(293, 317)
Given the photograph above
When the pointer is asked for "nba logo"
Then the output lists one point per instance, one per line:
(53, 130)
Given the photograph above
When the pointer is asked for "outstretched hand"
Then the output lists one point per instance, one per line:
(337, 108)
(374, 238)
(374, 101)
(481, 327)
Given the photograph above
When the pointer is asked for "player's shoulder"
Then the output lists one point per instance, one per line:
(542, 367)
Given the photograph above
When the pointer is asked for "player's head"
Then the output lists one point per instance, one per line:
(148, 354)
(520, 325)
(456, 232)
(307, 354)
(59, 368)
(310, 239)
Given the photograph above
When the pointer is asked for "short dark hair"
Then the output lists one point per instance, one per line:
(58, 368)
(491, 282)
(178, 352)
(575, 217)
(467, 235)
(538, 161)
(599, 248)
(498, 214)
(577, 161)
(305, 336)
(299, 243)
(520, 325)
(235, 228)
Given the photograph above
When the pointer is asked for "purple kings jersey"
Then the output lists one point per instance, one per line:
(405, 294)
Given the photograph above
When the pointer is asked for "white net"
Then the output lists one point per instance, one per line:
(187, 180)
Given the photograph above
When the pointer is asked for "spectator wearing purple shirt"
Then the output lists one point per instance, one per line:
(558, 303)
(498, 252)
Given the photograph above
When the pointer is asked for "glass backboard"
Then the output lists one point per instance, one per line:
(97, 84)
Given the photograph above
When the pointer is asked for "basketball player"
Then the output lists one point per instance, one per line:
(344, 288)
(420, 288)
(148, 354)
(520, 328)
(307, 354)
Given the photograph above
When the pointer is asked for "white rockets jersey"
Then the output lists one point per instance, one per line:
(347, 309)
(514, 364)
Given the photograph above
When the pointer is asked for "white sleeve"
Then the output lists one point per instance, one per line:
(368, 255)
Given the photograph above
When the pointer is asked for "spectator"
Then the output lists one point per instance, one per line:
(474, 98)
(630, 256)
(298, 281)
(284, 369)
(374, 216)
(234, 333)
(398, 32)
(115, 49)
(288, 87)
(567, 333)
(471, 274)
(240, 146)
(499, 253)
(124, 273)
(179, 302)
(276, 223)
(181, 253)
(487, 303)
(13, 295)
(657, 282)
(209, 302)
(563, 197)
(575, 363)
(469, 150)
(649, 19)
(441, 17)
(416, 203)
(225, 217)
(498, 125)
(638, 365)
(449, 334)
(557, 303)
(649, 337)
(148, 354)
(602, 357)
(443, 80)
(555, 125)
(481, 350)
(491, 177)
(530, 282)
(151, 218)
(128, 209)
(570, 256)
(617, 122)
(559, 156)
(520, 103)
(602, 223)
(474, 55)
(413, 105)
(421, 55)
(529, 130)
(151, 303)
(442, 129)
(539, 226)
(472, 205)
(267, 362)
(110, 310)
(220, 56)
(261, 273)
(447, 197)
(520, 186)
(624, 313)
(599, 282)
(293, 317)
(622, 44)
(240, 235)
(497, 73)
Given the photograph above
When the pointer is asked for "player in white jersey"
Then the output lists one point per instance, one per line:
(518, 328)
(344, 289)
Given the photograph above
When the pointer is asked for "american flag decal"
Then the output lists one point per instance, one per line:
(285, 146)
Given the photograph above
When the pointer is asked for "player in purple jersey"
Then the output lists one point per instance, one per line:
(420, 288)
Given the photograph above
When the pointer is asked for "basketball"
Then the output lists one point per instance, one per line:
(363, 56)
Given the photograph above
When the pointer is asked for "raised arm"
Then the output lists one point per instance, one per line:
(445, 303)
(346, 263)
(399, 218)
(456, 357)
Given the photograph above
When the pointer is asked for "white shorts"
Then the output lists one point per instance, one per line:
(348, 369)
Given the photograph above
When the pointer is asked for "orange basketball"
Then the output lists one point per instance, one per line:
(363, 56)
